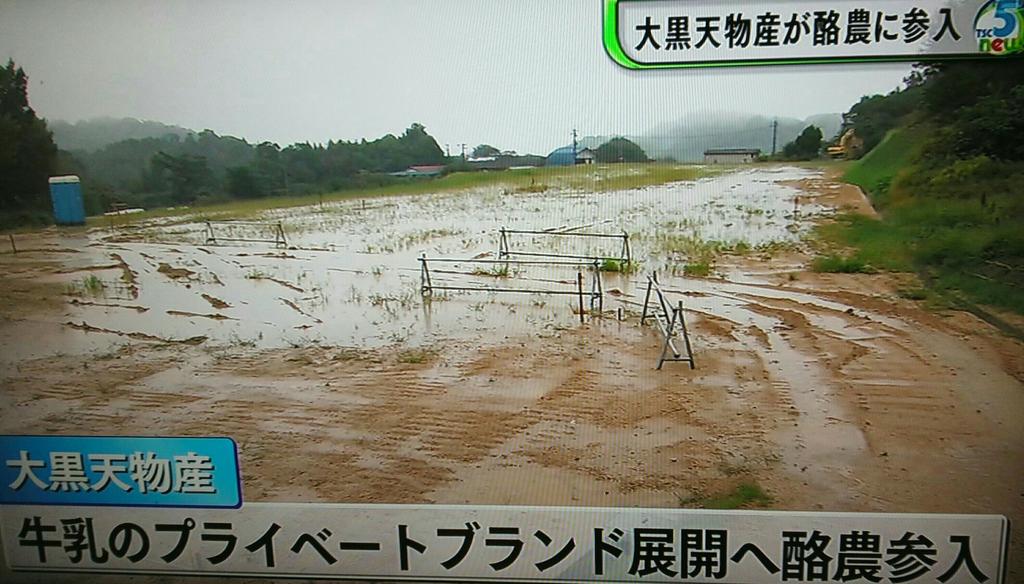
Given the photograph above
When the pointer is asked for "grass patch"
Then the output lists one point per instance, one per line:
(349, 354)
(773, 248)
(415, 356)
(747, 494)
(914, 293)
(255, 274)
(533, 187)
(88, 286)
(740, 248)
(634, 176)
(619, 266)
(874, 243)
(959, 248)
(701, 269)
(930, 298)
(700, 254)
(837, 264)
(690, 246)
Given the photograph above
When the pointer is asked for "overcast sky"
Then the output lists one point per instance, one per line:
(519, 75)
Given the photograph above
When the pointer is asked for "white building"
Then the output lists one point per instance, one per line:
(731, 155)
(586, 156)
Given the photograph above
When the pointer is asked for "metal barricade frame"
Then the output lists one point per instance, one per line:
(505, 250)
(668, 319)
(596, 293)
(279, 239)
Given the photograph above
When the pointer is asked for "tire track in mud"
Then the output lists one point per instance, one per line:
(607, 397)
(881, 373)
(397, 422)
(821, 441)
(106, 395)
(317, 439)
(581, 408)
(893, 394)
(404, 409)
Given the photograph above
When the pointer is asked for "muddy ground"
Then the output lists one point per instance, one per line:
(828, 390)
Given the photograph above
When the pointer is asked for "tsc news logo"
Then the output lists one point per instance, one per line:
(999, 27)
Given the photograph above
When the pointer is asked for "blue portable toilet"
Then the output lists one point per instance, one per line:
(66, 194)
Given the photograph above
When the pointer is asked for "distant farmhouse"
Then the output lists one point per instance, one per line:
(731, 155)
(586, 156)
(421, 170)
(505, 161)
(564, 156)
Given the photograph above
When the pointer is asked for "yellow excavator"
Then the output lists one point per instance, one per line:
(850, 146)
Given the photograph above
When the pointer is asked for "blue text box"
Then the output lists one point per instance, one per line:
(131, 471)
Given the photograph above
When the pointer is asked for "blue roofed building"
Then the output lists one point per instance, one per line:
(563, 156)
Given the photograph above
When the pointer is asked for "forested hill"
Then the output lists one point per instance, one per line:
(947, 174)
(686, 139)
(182, 169)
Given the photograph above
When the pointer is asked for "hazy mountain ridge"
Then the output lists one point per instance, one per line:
(686, 140)
(96, 133)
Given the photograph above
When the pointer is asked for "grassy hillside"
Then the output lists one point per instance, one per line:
(948, 180)
(874, 172)
(960, 226)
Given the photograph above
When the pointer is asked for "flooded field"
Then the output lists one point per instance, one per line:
(349, 273)
(342, 383)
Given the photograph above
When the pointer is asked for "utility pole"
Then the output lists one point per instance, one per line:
(574, 146)
(775, 133)
(447, 151)
(463, 145)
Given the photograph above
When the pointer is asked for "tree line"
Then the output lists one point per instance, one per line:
(206, 167)
(175, 169)
(27, 152)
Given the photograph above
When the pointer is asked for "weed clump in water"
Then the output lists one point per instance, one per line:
(89, 285)
(501, 271)
(619, 266)
(698, 269)
(256, 275)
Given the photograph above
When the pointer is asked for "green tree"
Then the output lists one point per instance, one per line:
(242, 183)
(419, 147)
(27, 151)
(620, 150)
(269, 167)
(980, 108)
(806, 146)
(187, 175)
(872, 117)
(485, 150)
